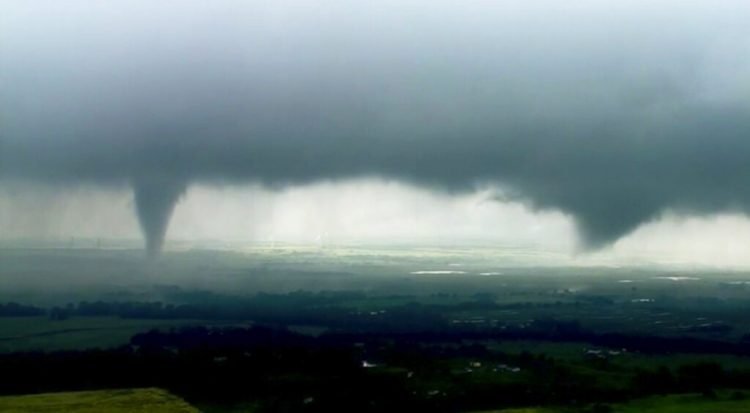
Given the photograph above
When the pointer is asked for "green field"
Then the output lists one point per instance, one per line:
(686, 404)
(106, 401)
(724, 402)
(41, 333)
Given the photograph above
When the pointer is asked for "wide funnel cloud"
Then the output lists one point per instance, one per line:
(610, 113)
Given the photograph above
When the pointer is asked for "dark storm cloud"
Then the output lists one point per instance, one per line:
(611, 114)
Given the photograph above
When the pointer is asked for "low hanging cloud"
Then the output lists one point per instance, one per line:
(609, 113)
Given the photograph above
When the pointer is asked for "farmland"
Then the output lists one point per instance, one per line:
(302, 329)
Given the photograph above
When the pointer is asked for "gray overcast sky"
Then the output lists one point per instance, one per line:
(610, 113)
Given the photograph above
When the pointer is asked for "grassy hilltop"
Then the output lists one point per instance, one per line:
(721, 402)
(105, 401)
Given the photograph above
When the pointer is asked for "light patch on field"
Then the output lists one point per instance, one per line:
(678, 278)
(431, 272)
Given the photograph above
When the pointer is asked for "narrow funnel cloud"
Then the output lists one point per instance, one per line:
(155, 201)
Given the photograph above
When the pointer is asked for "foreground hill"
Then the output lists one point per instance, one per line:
(721, 402)
(105, 401)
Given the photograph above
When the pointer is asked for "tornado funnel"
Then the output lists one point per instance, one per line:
(154, 201)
